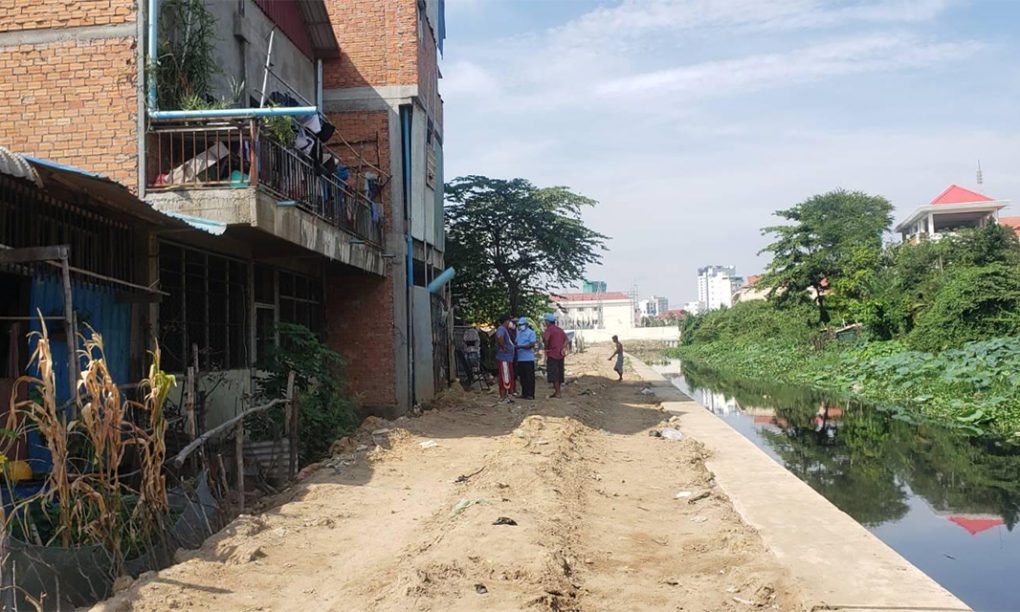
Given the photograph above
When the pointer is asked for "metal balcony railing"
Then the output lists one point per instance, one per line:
(223, 154)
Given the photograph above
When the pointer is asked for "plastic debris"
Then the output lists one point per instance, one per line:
(671, 434)
(647, 391)
(429, 444)
(746, 602)
(682, 495)
(698, 497)
(464, 504)
(480, 589)
(699, 519)
(505, 520)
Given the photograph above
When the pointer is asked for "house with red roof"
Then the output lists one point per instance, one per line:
(954, 209)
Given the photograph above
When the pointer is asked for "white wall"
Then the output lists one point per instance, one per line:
(615, 314)
(660, 334)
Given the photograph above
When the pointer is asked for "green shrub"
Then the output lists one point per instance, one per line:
(971, 304)
(325, 410)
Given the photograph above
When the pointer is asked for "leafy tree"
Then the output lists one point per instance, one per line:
(511, 241)
(831, 237)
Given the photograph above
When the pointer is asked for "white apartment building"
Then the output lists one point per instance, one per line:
(716, 285)
(611, 310)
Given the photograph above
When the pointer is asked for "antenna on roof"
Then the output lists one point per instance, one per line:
(980, 175)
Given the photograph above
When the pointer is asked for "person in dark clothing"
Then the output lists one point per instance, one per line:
(526, 342)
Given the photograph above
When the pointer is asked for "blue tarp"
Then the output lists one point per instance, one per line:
(95, 305)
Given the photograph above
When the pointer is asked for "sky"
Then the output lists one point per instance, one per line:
(692, 121)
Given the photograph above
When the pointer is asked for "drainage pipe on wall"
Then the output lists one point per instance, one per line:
(438, 282)
(405, 137)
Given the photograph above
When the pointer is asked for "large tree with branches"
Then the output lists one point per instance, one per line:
(511, 241)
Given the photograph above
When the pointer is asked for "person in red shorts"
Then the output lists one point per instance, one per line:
(505, 351)
(555, 340)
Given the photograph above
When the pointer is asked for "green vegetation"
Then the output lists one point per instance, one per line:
(511, 241)
(937, 324)
(326, 412)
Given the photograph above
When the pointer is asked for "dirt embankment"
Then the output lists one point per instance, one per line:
(411, 520)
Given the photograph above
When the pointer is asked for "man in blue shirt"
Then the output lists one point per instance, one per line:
(527, 340)
(505, 358)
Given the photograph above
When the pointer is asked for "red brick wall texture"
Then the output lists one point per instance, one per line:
(72, 101)
(359, 326)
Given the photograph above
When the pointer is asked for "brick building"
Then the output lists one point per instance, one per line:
(335, 223)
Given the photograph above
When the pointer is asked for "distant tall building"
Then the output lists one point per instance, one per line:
(594, 287)
(653, 306)
(716, 285)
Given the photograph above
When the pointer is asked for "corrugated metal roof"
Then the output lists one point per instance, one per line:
(320, 30)
(216, 228)
(17, 166)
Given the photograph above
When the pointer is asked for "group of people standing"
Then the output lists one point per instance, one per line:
(517, 346)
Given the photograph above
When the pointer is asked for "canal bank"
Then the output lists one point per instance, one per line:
(838, 563)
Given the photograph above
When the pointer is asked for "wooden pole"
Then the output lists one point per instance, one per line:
(190, 404)
(72, 340)
(292, 424)
(221, 428)
(239, 450)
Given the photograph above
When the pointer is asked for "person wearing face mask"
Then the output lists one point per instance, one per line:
(505, 351)
(526, 343)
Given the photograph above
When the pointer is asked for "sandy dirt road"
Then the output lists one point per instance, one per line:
(593, 495)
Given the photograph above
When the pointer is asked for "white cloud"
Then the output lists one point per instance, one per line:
(867, 54)
(466, 79)
(635, 18)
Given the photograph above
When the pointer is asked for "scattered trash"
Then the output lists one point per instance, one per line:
(655, 433)
(699, 519)
(466, 477)
(307, 471)
(732, 589)
(746, 602)
(682, 495)
(480, 589)
(671, 434)
(505, 520)
(647, 391)
(429, 444)
(699, 497)
(464, 504)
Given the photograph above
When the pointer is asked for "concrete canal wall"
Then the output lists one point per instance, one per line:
(839, 564)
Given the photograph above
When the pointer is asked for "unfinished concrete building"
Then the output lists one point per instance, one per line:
(307, 174)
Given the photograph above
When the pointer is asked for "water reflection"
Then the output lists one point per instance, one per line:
(946, 500)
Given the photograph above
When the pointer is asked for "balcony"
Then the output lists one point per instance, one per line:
(237, 173)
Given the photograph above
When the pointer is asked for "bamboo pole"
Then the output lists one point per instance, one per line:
(222, 427)
(239, 450)
(292, 425)
(72, 341)
(190, 404)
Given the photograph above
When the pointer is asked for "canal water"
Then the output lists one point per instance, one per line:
(947, 501)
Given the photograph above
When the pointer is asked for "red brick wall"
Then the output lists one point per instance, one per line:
(73, 102)
(378, 43)
(34, 14)
(359, 326)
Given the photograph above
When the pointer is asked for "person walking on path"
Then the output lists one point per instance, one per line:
(555, 340)
(618, 353)
(526, 342)
(505, 359)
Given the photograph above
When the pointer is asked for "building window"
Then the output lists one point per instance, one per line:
(206, 309)
(301, 301)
